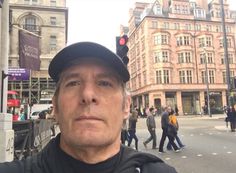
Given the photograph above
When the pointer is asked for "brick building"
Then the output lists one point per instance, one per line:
(172, 44)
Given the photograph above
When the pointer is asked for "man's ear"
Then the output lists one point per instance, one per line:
(55, 108)
(127, 106)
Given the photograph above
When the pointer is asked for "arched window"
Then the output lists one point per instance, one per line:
(30, 23)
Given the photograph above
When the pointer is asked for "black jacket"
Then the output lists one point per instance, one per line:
(49, 160)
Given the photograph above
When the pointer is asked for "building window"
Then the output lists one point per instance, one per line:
(208, 41)
(176, 26)
(198, 27)
(145, 78)
(182, 76)
(228, 29)
(230, 58)
(199, 13)
(209, 58)
(224, 76)
(53, 20)
(161, 40)
(205, 41)
(166, 25)
(158, 77)
(203, 74)
(185, 57)
(211, 76)
(208, 28)
(139, 80)
(166, 77)
(53, 42)
(30, 23)
(188, 26)
(154, 24)
(162, 77)
(183, 41)
(185, 76)
(218, 28)
(162, 56)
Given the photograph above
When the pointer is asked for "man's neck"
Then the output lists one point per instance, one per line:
(91, 155)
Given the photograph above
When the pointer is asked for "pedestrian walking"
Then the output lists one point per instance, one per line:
(164, 126)
(151, 125)
(124, 132)
(231, 114)
(132, 128)
(173, 121)
(90, 103)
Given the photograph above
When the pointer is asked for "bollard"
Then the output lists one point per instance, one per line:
(6, 138)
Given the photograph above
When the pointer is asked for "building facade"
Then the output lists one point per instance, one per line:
(176, 50)
(48, 20)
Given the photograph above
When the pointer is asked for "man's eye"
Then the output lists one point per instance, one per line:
(73, 83)
(104, 83)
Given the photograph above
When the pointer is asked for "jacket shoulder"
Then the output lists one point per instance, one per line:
(157, 167)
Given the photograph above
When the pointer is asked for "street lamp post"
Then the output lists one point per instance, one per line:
(225, 53)
(207, 84)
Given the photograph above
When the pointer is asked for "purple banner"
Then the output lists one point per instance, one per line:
(29, 51)
(18, 74)
(1, 2)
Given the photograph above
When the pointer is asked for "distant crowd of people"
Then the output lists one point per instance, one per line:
(169, 125)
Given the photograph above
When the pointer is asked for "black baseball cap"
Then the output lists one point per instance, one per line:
(76, 51)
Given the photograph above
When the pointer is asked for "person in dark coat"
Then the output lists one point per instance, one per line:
(164, 126)
(90, 103)
(231, 115)
(132, 128)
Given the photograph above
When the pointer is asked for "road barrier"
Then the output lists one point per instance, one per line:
(31, 136)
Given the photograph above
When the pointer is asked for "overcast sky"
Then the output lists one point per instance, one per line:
(99, 20)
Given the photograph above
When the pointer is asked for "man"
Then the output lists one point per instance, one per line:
(90, 104)
(164, 126)
(151, 125)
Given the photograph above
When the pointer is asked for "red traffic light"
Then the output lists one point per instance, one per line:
(122, 41)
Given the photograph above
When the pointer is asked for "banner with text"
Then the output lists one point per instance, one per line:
(29, 51)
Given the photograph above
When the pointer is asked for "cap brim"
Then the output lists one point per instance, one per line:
(82, 50)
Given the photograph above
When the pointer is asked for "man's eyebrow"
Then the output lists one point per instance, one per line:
(69, 76)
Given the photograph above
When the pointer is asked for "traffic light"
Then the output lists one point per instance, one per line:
(122, 49)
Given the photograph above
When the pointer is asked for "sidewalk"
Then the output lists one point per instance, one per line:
(213, 116)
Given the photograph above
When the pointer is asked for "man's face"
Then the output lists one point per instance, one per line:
(91, 105)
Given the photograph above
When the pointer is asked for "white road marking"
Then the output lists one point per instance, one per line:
(225, 147)
(215, 154)
(192, 135)
(199, 155)
(229, 152)
(184, 157)
(167, 158)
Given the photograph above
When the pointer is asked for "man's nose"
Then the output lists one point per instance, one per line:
(88, 94)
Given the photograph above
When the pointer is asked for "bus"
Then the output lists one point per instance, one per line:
(13, 104)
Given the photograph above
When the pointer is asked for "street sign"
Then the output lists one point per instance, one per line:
(18, 74)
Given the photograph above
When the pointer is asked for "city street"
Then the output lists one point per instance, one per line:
(210, 146)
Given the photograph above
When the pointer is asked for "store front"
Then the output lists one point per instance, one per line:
(215, 100)
(190, 103)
